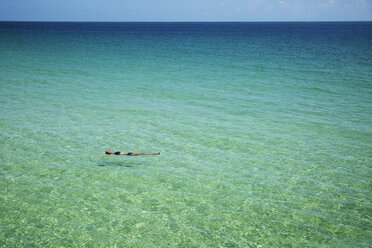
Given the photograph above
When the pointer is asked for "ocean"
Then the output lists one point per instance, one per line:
(264, 130)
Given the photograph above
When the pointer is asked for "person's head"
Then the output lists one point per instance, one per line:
(109, 152)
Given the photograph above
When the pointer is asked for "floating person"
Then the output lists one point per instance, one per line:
(126, 153)
(129, 153)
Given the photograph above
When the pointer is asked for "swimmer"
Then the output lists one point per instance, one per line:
(129, 153)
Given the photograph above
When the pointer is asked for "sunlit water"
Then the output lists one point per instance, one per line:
(264, 129)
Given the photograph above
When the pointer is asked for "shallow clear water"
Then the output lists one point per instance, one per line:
(264, 131)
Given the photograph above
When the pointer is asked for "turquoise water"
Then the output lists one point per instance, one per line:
(264, 129)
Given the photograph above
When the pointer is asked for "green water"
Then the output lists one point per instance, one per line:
(264, 132)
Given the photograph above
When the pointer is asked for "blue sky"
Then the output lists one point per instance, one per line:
(186, 10)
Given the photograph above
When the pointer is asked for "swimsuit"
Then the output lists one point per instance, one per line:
(129, 153)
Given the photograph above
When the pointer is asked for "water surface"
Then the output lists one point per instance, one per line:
(264, 131)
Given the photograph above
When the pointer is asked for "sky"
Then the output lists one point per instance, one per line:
(185, 10)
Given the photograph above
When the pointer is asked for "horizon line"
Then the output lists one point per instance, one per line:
(184, 21)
